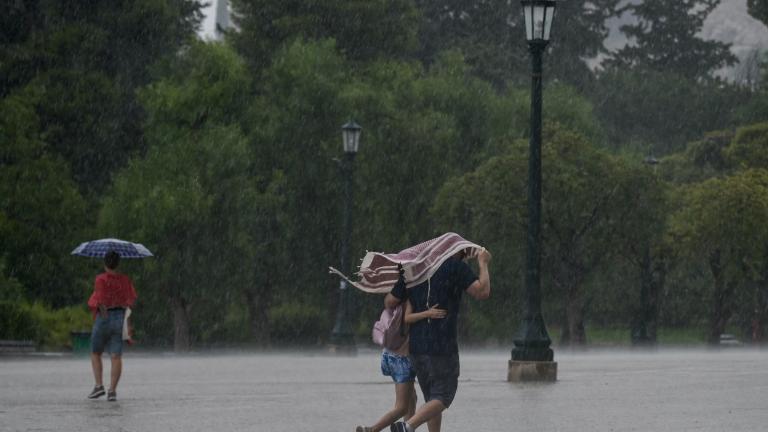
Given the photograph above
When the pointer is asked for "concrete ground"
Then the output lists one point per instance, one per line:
(666, 390)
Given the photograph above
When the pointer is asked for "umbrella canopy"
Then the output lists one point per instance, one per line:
(99, 248)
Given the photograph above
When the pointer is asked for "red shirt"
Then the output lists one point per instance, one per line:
(112, 290)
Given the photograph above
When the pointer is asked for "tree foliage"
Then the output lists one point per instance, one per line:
(41, 210)
(733, 249)
(664, 38)
(87, 59)
(759, 10)
(363, 30)
(491, 35)
(223, 159)
(661, 112)
(589, 199)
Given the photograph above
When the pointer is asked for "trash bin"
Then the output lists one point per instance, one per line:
(81, 342)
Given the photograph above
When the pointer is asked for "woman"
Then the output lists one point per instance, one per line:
(112, 294)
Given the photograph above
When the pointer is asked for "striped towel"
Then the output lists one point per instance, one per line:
(378, 271)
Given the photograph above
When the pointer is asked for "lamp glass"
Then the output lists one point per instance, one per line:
(538, 21)
(350, 133)
(528, 14)
(549, 16)
(539, 15)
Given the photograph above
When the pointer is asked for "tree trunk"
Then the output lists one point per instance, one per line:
(575, 315)
(652, 277)
(181, 340)
(760, 314)
(573, 332)
(656, 288)
(259, 300)
(720, 311)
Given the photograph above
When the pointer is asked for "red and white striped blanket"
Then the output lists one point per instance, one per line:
(378, 271)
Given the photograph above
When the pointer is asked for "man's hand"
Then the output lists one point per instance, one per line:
(481, 288)
(482, 255)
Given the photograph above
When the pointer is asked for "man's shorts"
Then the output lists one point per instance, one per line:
(398, 367)
(438, 376)
(107, 333)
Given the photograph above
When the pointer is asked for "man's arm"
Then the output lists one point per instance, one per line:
(481, 288)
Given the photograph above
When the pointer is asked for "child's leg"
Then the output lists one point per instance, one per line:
(411, 409)
(402, 400)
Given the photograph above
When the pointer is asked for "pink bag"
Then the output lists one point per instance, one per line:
(389, 331)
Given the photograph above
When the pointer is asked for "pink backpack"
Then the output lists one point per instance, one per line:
(389, 331)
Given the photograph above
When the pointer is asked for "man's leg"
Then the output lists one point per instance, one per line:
(117, 369)
(97, 367)
(433, 424)
(426, 413)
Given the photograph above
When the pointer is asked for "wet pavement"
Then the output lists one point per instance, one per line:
(666, 390)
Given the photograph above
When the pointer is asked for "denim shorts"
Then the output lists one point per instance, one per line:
(107, 333)
(397, 367)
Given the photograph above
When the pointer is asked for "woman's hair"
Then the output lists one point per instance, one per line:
(111, 260)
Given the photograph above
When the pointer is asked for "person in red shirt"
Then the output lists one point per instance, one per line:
(112, 294)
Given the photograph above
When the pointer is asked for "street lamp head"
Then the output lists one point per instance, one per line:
(650, 160)
(539, 15)
(350, 134)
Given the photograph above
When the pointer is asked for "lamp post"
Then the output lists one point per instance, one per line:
(643, 331)
(342, 336)
(532, 357)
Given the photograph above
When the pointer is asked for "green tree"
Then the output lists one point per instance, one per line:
(586, 193)
(195, 198)
(363, 30)
(41, 211)
(88, 58)
(748, 148)
(295, 129)
(759, 10)
(642, 245)
(661, 112)
(491, 35)
(664, 38)
(732, 248)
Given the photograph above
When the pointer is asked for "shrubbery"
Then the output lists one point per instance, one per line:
(48, 328)
(298, 324)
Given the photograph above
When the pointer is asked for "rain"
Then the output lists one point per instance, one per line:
(609, 156)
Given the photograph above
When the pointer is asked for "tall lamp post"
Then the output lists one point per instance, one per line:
(342, 336)
(644, 326)
(532, 357)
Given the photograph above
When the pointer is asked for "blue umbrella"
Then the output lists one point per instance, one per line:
(99, 248)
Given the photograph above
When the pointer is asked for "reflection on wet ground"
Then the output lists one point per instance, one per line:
(666, 390)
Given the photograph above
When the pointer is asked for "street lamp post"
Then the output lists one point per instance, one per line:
(342, 336)
(532, 356)
(643, 328)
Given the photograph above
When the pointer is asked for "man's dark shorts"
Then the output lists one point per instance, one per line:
(438, 376)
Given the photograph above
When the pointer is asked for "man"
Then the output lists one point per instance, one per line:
(434, 350)
(112, 294)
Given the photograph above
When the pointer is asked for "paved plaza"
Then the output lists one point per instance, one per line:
(665, 390)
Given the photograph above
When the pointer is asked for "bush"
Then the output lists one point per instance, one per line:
(17, 322)
(48, 328)
(295, 324)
